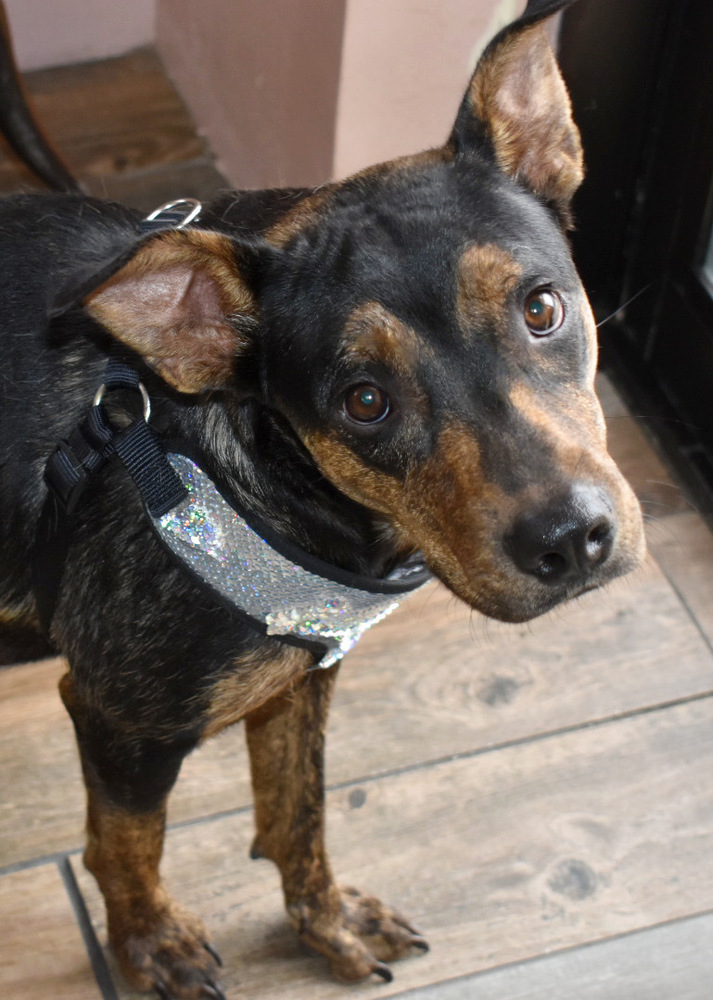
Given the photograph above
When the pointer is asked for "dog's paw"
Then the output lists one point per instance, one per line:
(358, 934)
(170, 954)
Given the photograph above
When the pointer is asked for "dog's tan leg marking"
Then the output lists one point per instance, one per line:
(286, 742)
(159, 945)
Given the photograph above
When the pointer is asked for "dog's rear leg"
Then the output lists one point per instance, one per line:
(158, 944)
(286, 742)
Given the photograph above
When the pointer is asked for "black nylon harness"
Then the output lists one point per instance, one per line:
(95, 440)
(265, 580)
(75, 461)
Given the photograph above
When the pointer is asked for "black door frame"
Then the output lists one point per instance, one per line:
(641, 77)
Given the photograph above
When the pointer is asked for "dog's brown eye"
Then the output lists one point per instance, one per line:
(544, 312)
(366, 404)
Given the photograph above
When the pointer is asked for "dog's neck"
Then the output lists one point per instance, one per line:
(258, 456)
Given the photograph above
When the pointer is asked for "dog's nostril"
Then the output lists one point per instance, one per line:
(565, 541)
(599, 542)
(551, 566)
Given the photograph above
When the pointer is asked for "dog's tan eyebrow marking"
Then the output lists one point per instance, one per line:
(301, 217)
(487, 275)
(403, 165)
(372, 333)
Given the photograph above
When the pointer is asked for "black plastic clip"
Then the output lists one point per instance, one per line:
(77, 457)
(66, 476)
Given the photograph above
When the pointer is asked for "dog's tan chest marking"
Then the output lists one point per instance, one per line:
(253, 680)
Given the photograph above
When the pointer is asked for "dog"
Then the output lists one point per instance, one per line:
(345, 385)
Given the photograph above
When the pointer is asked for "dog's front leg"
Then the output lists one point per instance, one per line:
(159, 945)
(286, 741)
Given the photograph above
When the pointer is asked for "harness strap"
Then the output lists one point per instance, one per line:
(71, 467)
(92, 443)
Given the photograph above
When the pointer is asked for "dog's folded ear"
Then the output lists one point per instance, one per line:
(517, 108)
(184, 304)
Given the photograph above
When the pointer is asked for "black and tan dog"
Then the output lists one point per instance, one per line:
(399, 362)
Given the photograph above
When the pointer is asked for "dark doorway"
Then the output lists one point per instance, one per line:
(641, 77)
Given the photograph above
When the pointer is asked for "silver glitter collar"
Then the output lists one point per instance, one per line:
(277, 592)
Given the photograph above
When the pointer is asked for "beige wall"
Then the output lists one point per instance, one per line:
(51, 32)
(293, 92)
(261, 77)
(405, 67)
(288, 92)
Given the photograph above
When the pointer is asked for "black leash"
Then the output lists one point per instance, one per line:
(78, 458)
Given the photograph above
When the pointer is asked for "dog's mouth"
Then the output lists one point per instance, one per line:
(544, 558)
(507, 594)
(510, 556)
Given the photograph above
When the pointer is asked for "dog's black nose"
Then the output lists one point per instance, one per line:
(567, 540)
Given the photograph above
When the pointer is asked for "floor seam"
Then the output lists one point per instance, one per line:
(97, 958)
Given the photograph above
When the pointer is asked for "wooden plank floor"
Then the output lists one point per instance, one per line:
(537, 798)
(122, 130)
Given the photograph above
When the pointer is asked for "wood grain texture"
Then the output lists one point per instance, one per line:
(105, 118)
(42, 801)
(633, 450)
(42, 954)
(673, 961)
(683, 546)
(430, 682)
(497, 858)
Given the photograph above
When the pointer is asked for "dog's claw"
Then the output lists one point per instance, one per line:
(213, 954)
(359, 935)
(214, 992)
(384, 972)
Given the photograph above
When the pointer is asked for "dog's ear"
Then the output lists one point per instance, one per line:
(517, 106)
(183, 303)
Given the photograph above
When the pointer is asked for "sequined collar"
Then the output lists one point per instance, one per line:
(280, 589)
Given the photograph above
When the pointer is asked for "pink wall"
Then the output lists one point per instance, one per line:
(51, 32)
(288, 92)
(405, 67)
(293, 92)
(261, 78)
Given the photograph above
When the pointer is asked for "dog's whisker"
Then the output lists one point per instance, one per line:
(622, 308)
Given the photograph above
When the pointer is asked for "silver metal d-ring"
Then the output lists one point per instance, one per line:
(193, 212)
(144, 395)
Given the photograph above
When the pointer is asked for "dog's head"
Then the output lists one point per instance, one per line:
(422, 328)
